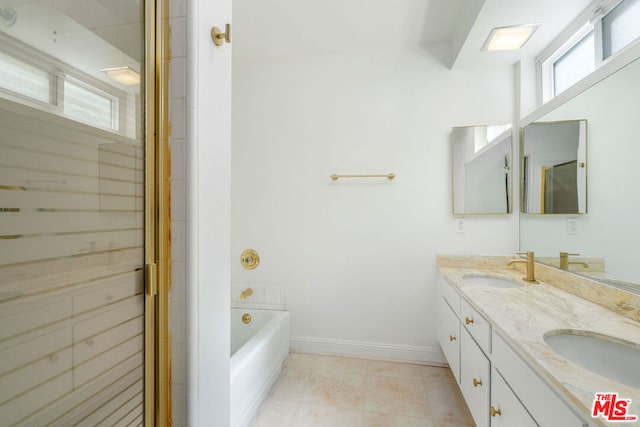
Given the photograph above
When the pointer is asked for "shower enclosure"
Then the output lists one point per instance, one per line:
(75, 338)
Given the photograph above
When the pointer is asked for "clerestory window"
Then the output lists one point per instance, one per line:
(610, 28)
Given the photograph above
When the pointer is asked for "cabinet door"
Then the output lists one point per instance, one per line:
(449, 337)
(541, 401)
(475, 380)
(506, 410)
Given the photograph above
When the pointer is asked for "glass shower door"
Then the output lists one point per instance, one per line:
(72, 300)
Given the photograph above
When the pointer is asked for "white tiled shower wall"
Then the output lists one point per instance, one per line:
(177, 112)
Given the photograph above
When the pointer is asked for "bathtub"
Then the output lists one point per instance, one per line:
(257, 352)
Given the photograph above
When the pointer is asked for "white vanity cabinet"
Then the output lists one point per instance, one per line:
(499, 387)
(506, 410)
(459, 327)
(449, 336)
(475, 379)
(544, 405)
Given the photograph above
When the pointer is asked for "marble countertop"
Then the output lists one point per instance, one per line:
(525, 314)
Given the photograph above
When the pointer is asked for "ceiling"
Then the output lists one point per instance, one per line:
(281, 29)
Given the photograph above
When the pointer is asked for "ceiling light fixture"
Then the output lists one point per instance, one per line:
(509, 38)
(125, 75)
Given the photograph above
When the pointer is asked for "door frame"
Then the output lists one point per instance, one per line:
(157, 398)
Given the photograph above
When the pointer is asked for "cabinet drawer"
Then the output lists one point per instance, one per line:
(477, 326)
(21, 317)
(449, 336)
(450, 295)
(108, 291)
(35, 399)
(544, 405)
(475, 378)
(45, 344)
(509, 412)
(118, 313)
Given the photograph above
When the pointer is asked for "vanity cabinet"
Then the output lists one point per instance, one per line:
(499, 387)
(449, 336)
(79, 347)
(544, 405)
(475, 379)
(506, 410)
(460, 326)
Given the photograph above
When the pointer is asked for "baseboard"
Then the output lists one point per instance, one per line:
(369, 350)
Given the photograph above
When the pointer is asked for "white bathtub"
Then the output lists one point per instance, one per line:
(257, 352)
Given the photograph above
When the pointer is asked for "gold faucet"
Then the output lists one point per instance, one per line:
(564, 261)
(246, 293)
(531, 278)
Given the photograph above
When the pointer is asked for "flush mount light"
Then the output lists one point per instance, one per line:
(509, 38)
(125, 75)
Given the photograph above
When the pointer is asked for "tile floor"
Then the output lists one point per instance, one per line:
(333, 391)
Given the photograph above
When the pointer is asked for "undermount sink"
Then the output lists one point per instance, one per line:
(610, 357)
(493, 281)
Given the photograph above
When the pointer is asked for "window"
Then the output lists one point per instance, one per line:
(575, 64)
(613, 25)
(24, 79)
(32, 78)
(620, 27)
(89, 105)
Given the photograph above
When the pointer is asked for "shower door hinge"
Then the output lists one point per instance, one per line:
(151, 278)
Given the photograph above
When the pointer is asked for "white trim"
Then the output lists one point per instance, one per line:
(73, 130)
(59, 72)
(624, 58)
(369, 350)
(546, 66)
(590, 19)
(585, 18)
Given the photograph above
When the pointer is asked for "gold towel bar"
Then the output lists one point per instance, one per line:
(389, 176)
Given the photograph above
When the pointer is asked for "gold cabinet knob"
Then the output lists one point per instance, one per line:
(494, 412)
(476, 382)
(468, 321)
(452, 337)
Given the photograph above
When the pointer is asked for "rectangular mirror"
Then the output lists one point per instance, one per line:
(607, 238)
(553, 167)
(481, 169)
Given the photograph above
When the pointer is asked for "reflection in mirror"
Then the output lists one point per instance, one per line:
(553, 167)
(608, 237)
(481, 169)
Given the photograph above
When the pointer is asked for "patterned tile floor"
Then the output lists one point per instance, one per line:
(329, 391)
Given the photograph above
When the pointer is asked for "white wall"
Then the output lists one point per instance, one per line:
(357, 258)
(208, 164)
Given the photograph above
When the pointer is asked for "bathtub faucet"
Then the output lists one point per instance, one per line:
(246, 293)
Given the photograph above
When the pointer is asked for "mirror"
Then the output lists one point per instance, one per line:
(553, 167)
(608, 236)
(481, 169)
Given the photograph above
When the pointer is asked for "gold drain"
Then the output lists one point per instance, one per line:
(246, 318)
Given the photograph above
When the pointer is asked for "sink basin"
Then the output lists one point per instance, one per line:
(493, 281)
(610, 357)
